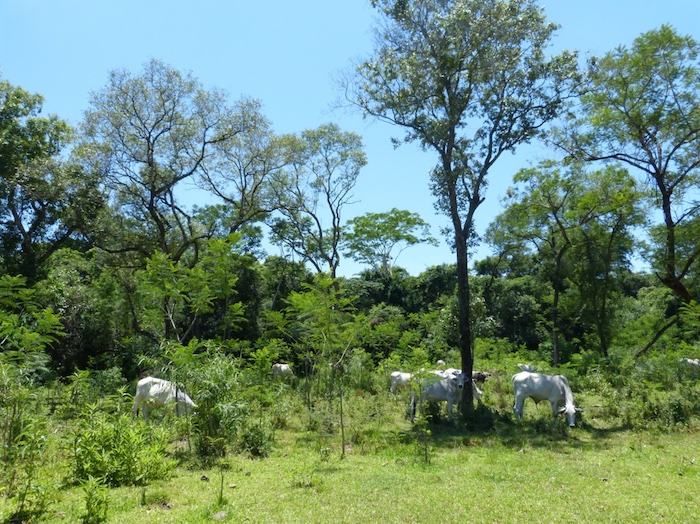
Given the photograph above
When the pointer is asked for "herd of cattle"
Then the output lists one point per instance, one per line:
(446, 385)
(436, 385)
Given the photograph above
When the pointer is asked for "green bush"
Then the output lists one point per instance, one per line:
(643, 405)
(256, 439)
(23, 441)
(119, 450)
(215, 383)
(21, 475)
(86, 387)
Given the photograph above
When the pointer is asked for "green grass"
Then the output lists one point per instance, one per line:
(537, 472)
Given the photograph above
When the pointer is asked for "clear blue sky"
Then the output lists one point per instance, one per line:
(285, 54)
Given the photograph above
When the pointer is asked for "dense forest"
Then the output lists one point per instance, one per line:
(107, 263)
(110, 268)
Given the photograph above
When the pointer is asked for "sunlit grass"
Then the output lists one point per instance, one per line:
(539, 471)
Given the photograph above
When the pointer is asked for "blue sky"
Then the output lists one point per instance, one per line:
(285, 54)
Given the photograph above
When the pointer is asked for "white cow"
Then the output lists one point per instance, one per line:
(448, 388)
(691, 361)
(282, 371)
(527, 367)
(400, 380)
(538, 387)
(156, 391)
(454, 372)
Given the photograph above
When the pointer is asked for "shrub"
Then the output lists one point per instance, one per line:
(215, 384)
(22, 473)
(119, 450)
(256, 439)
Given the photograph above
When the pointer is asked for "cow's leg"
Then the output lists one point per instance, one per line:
(518, 409)
(135, 409)
(144, 409)
(476, 392)
(555, 409)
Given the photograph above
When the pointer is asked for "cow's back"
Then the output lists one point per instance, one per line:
(442, 389)
(154, 389)
(540, 387)
(532, 385)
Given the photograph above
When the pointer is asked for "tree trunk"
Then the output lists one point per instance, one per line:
(464, 321)
(656, 337)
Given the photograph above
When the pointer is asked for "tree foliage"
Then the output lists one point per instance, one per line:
(149, 134)
(45, 202)
(580, 226)
(26, 329)
(377, 239)
(171, 298)
(313, 192)
(643, 110)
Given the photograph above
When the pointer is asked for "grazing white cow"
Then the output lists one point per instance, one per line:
(400, 380)
(538, 387)
(448, 388)
(156, 391)
(282, 371)
(691, 361)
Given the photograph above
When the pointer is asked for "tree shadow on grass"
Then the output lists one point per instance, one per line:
(489, 427)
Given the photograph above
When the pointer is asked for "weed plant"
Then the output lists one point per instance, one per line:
(96, 501)
(119, 450)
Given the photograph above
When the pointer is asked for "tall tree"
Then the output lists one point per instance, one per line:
(469, 80)
(377, 239)
(580, 225)
(313, 192)
(541, 217)
(611, 211)
(246, 167)
(643, 110)
(150, 133)
(44, 201)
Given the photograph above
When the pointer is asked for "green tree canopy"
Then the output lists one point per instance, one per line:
(149, 134)
(313, 192)
(579, 224)
(45, 203)
(377, 239)
(643, 109)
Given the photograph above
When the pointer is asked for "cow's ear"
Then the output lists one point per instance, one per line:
(561, 410)
(579, 410)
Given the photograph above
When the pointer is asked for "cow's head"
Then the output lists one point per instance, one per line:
(570, 411)
(480, 376)
(459, 378)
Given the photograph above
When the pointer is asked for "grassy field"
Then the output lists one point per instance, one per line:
(537, 472)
